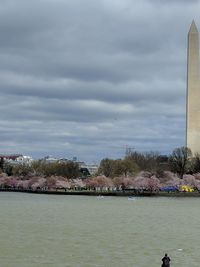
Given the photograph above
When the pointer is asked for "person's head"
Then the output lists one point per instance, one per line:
(165, 254)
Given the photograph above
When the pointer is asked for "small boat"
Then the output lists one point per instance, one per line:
(100, 197)
(131, 198)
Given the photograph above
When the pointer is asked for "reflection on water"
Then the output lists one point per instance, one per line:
(81, 231)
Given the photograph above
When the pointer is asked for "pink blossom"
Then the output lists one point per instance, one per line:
(2, 181)
(197, 176)
(63, 184)
(37, 182)
(190, 180)
(140, 182)
(127, 182)
(51, 182)
(152, 183)
(3, 175)
(54, 182)
(99, 181)
(91, 183)
(118, 181)
(78, 183)
(8, 181)
(170, 175)
(24, 184)
(175, 181)
(13, 181)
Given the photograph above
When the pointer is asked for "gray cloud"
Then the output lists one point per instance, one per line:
(84, 79)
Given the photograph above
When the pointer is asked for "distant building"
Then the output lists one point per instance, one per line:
(86, 169)
(10, 156)
(92, 168)
(50, 159)
(16, 159)
(24, 160)
(63, 160)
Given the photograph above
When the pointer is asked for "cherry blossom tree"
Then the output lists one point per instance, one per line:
(12, 182)
(2, 181)
(50, 183)
(123, 182)
(91, 183)
(153, 183)
(57, 182)
(37, 183)
(175, 182)
(99, 183)
(143, 183)
(191, 181)
(23, 184)
(78, 184)
(62, 183)
(118, 182)
(197, 176)
(140, 183)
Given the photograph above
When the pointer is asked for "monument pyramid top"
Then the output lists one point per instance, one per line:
(193, 28)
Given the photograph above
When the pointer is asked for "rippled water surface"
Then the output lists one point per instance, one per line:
(81, 231)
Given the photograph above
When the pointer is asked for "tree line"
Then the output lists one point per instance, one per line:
(67, 169)
(180, 161)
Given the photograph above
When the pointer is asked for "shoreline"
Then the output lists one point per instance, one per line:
(105, 193)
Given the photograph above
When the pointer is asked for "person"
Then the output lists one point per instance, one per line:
(166, 261)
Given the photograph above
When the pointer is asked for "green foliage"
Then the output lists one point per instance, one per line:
(125, 167)
(106, 167)
(68, 169)
(151, 162)
(111, 168)
(1, 163)
(22, 170)
(18, 169)
(134, 162)
(8, 169)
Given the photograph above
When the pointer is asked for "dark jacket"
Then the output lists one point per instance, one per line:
(166, 261)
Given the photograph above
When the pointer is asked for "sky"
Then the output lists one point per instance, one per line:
(89, 78)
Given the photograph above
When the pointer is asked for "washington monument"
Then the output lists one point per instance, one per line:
(193, 92)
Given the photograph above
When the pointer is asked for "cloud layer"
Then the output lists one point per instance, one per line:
(88, 78)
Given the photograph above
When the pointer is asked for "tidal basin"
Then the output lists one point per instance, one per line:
(86, 231)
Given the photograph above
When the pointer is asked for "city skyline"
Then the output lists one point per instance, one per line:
(89, 80)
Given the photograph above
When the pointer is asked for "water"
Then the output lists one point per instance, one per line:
(81, 231)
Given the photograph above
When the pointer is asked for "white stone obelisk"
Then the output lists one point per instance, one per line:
(193, 92)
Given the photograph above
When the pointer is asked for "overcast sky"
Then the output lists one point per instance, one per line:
(87, 78)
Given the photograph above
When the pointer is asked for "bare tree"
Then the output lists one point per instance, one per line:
(195, 164)
(179, 160)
